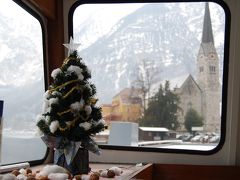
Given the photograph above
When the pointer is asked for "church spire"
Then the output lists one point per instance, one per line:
(207, 35)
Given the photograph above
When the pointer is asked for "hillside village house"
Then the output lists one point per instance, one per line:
(125, 106)
(152, 133)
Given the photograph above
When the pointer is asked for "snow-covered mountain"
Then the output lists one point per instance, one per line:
(167, 34)
(21, 68)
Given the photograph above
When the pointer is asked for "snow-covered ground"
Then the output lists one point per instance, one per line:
(199, 147)
(25, 134)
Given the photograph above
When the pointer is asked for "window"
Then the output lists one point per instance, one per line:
(146, 57)
(21, 83)
(212, 69)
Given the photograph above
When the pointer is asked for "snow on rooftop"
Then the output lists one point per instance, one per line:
(206, 147)
(174, 82)
(154, 129)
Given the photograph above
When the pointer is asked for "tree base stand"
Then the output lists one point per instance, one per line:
(80, 163)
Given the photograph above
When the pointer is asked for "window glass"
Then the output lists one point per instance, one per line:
(21, 83)
(148, 63)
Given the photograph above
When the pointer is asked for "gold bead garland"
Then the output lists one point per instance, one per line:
(64, 112)
(69, 92)
(63, 85)
(63, 129)
(73, 121)
(66, 60)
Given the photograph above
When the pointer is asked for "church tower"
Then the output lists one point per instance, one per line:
(208, 76)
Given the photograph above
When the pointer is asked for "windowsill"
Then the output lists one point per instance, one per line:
(129, 170)
(166, 171)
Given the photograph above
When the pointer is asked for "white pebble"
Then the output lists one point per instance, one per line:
(23, 171)
(104, 173)
(58, 176)
(21, 177)
(117, 170)
(8, 177)
(48, 169)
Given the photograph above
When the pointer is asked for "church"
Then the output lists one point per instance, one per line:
(203, 93)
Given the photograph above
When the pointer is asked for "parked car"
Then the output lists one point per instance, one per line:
(197, 138)
(214, 139)
(185, 137)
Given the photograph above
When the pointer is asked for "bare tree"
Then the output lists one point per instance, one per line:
(144, 77)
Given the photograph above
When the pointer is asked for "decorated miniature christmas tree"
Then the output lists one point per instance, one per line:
(70, 116)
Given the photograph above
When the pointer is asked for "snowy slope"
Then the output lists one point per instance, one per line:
(168, 34)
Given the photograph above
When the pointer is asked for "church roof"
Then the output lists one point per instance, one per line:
(189, 81)
(207, 44)
(207, 34)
